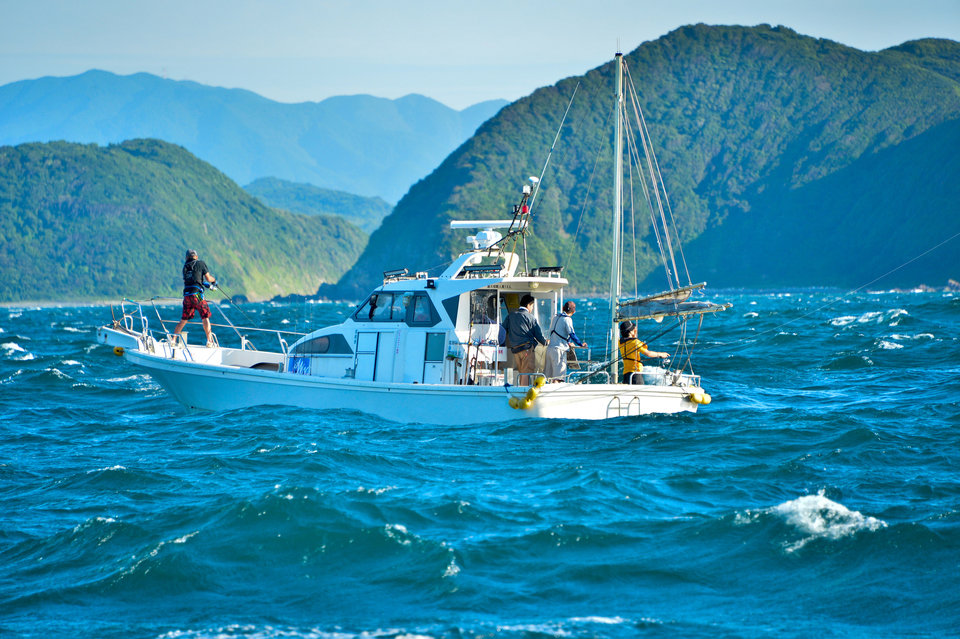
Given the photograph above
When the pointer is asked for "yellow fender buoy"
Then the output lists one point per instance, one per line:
(539, 382)
(696, 398)
(118, 350)
(532, 393)
(514, 402)
(525, 403)
(706, 399)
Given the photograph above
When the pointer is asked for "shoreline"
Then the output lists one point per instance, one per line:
(951, 287)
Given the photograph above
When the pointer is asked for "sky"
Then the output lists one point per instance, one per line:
(457, 52)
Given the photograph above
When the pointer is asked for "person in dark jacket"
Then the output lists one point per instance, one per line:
(196, 278)
(524, 333)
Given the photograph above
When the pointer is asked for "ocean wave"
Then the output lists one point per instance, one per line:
(14, 351)
(849, 362)
(891, 317)
(563, 628)
(918, 336)
(815, 517)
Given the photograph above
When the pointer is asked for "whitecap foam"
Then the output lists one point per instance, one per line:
(183, 540)
(100, 470)
(14, 351)
(452, 569)
(844, 320)
(71, 329)
(375, 491)
(59, 374)
(818, 517)
(889, 346)
(609, 621)
(398, 533)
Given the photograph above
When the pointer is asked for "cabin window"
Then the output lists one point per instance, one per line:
(411, 307)
(381, 307)
(334, 344)
(435, 345)
(422, 313)
(318, 345)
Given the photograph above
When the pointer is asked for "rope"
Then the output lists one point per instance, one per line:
(536, 189)
(730, 345)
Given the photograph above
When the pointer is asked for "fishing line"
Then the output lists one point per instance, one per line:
(840, 298)
(236, 305)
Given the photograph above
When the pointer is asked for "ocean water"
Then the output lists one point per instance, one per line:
(818, 495)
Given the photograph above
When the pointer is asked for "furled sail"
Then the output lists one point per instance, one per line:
(673, 303)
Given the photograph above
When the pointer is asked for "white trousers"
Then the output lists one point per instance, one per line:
(556, 363)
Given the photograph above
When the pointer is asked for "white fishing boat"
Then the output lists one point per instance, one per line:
(427, 347)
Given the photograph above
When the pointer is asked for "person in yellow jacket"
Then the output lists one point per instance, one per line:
(631, 349)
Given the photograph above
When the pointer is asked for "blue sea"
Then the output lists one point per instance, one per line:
(818, 495)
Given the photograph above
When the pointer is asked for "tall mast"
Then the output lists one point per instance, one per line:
(615, 265)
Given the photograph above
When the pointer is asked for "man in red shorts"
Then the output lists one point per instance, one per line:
(196, 277)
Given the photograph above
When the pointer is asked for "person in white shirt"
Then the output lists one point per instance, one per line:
(561, 336)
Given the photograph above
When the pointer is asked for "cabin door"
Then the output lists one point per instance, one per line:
(433, 358)
(366, 365)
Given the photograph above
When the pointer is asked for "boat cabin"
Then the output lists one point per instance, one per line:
(447, 329)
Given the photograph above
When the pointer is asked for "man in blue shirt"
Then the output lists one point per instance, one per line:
(523, 333)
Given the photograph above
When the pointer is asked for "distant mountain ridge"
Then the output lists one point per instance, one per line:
(789, 161)
(364, 212)
(83, 222)
(359, 144)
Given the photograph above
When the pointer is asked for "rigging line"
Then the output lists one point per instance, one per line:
(635, 162)
(586, 195)
(649, 154)
(666, 197)
(841, 297)
(536, 188)
(664, 238)
(633, 233)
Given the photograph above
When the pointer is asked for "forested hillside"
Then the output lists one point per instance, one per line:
(358, 143)
(364, 212)
(789, 160)
(83, 222)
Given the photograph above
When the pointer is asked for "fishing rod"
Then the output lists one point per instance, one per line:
(235, 304)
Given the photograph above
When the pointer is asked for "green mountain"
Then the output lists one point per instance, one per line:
(358, 143)
(789, 161)
(364, 212)
(82, 222)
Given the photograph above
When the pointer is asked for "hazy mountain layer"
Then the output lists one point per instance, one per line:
(359, 144)
(364, 212)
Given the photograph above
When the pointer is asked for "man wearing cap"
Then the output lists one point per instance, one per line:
(561, 336)
(196, 277)
(523, 332)
(631, 349)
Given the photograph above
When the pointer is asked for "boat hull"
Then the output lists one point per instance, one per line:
(216, 387)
